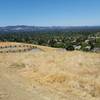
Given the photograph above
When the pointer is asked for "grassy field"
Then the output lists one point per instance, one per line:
(49, 74)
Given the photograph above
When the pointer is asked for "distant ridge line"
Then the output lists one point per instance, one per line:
(25, 28)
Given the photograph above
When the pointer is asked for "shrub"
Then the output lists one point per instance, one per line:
(70, 48)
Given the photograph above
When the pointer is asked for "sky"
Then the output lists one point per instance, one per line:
(50, 12)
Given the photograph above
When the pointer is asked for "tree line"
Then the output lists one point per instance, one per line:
(85, 41)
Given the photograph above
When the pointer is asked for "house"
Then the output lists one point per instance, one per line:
(97, 49)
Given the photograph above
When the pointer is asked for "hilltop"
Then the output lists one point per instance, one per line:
(49, 74)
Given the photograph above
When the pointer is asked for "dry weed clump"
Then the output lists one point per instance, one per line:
(55, 78)
(17, 65)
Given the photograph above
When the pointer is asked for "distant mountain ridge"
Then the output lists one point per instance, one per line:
(24, 28)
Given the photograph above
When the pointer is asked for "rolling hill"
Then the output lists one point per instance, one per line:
(49, 74)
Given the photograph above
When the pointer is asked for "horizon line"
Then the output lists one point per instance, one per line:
(52, 25)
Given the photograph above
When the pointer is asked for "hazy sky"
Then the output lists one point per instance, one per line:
(50, 12)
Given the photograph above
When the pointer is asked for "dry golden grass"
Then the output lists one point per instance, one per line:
(6, 43)
(62, 74)
(75, 73)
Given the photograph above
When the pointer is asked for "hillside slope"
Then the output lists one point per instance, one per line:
(49, 74)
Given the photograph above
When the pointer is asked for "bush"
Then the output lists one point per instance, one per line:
(70, 48)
